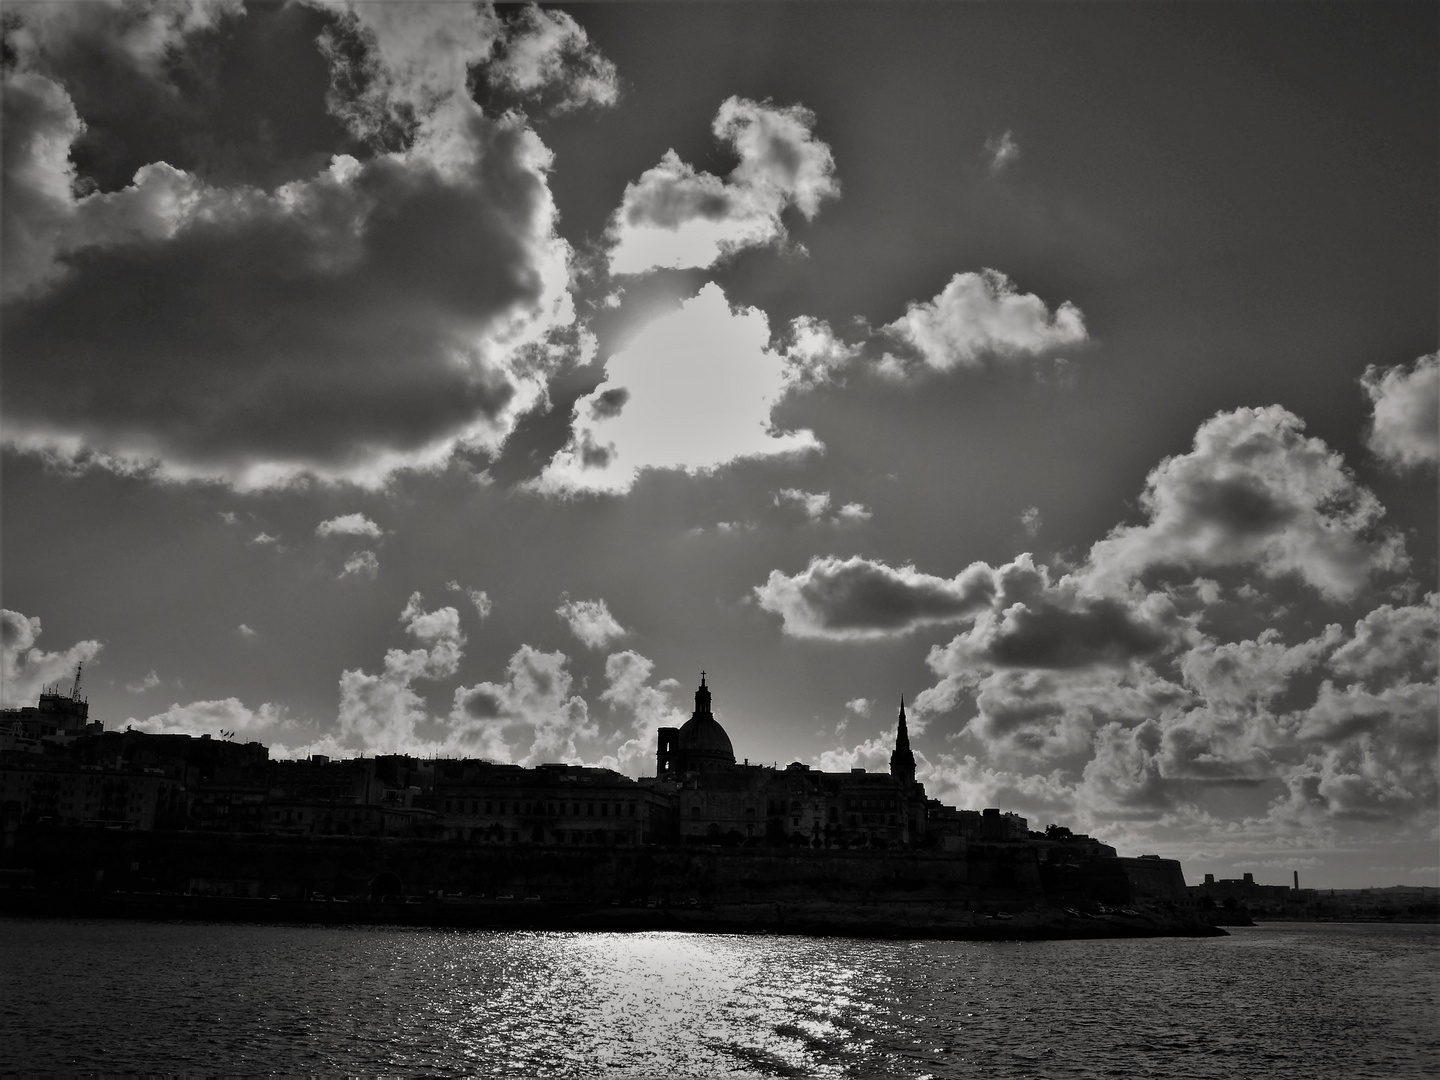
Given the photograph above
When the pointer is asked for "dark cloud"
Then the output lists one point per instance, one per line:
(373, 315)
(239, 341)
(859, 598)
(229, 93)
(341, 325)
(609, 403)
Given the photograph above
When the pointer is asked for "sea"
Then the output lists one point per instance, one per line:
(1285, 1000)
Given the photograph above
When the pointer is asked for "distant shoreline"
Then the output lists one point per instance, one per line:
(919, 920)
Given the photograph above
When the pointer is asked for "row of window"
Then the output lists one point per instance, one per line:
(558, 836)
(540, 809)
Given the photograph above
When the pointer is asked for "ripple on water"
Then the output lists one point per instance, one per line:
(1294, 1000)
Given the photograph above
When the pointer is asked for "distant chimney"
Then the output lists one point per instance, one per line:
(1209, 879)
(1297, 880)
(1249, 879)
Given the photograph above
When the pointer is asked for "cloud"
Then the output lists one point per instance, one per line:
(1035, 623)
(813, 354)
(816, 503)
(1254, 491)
(393, 67)
(381, 713)
(479, 597)
(246, 632)
(1030, 520)
(856, 599)
(966, 781)
(363, 564)
(590, 621)
(647, 708)
(701, 385)
(536, 696)
(980, 315)
(149, 682)
(860, 706)
(1390, 641)
(813, 503)
(1405, 421)
(264, 539)
(370, 316)
(544, 55)
(356, 524)
(675, 216)
(873, 755)
(1377, 761)
(1001, 150)
(25, 668)
(212, 717)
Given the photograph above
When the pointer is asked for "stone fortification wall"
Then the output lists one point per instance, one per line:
(1160, 879)
(297, 867)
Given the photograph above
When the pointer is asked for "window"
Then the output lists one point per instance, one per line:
(590, 809)
(604, 809)
(695, 812)
(632, 809)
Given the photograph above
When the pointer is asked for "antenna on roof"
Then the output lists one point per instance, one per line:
(75, 693)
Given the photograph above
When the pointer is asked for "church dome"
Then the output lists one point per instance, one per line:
(703, 733)
(702, 742)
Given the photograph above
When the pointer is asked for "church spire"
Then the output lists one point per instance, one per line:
(902, 761)
(702, 696)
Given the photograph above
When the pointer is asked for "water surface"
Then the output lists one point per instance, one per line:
(1292, 1000)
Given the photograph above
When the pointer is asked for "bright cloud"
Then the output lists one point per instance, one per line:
(699, 388)
(478, 597)
(980, 315)
(356, 524)
(1254, 491)
(25, 668)
(676, 216)
(813, 503)
(381, 713)
(646, 708)
(544, 54)
(363, 564)
(534, 702)
(590, 621)
(1405, 427)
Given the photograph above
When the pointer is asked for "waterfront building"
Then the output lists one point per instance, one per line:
(484, 802)
(699, 795)
(719, 801)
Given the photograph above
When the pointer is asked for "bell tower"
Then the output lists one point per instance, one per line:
(702, 698)
(902, 761)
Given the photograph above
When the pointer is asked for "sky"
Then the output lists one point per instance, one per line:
(460, 381)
